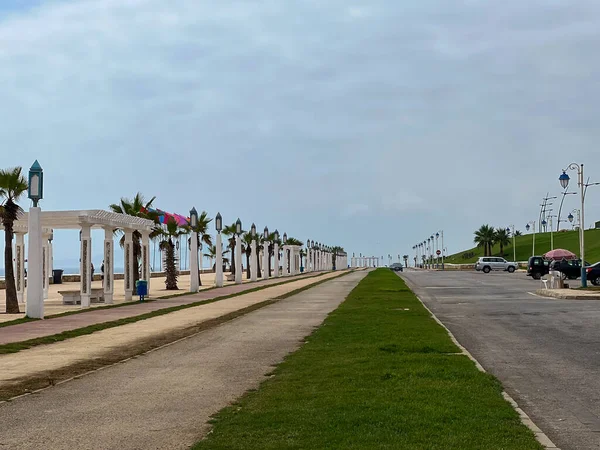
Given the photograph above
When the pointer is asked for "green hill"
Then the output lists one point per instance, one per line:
(568, 240)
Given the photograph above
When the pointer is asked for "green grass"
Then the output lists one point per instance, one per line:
(568, 240)
(379, 373)
(23, 345)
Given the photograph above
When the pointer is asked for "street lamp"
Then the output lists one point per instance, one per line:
(284, 238)
(253, 231)
(36, 183)
(219, 223)
(35, 283)
(564, 182)
(514, 244)
(238, 227)
(238, 252)
(219, 251)
(527, 227)
(564, 194)
(193, 218)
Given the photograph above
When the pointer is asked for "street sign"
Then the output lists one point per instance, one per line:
(439, 252)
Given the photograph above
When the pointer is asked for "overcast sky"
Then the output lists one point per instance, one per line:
(369, 125)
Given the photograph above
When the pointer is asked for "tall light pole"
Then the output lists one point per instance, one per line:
(253, 255)
(527, 227)
(564, 194)
(441, 234)
(238, 252)
(35, 290)
(219, 251)
(194, 272)
(564, 182)
(514, 244)
(571, 217)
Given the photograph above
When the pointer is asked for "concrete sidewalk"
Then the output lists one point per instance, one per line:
(33, 362)
(569, 294)
(48, 327)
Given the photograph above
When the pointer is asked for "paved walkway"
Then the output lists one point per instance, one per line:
(40, 328)
(164, 399)
(34, 361)
(569, 294)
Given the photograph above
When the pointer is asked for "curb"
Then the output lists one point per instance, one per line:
(551, 293)
(541, 437)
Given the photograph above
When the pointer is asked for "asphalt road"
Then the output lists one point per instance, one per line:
(545, 351)
(162, 400)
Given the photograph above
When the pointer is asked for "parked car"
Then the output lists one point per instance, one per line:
(593, 274)
(570, 269)
(537, 267)
(488, 263)
(397, 267)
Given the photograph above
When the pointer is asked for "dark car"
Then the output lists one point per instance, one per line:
(593, 274)
(537, 267)
(570, 269)
(396, 267)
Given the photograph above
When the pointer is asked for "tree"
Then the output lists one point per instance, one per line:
(293, 241)
(169, 234)
(271, 249)
(405, 257)
(336, 250)
(212, 254)
(12, 186)
(484, 237)
(229, 231)
(518, 233)
(502, 237)
(203, 236)
(137, 207)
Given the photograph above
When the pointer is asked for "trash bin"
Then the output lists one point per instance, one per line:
(141, 289)
(57, 276)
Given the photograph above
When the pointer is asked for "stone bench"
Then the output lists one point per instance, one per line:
(74, 297)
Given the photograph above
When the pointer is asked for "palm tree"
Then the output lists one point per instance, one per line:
(169, 234)
(518, 233)
(271, 249)
(12, 186)
(137, 207)
(212, 254)
(293, 241)
(203, 236)
(405, 257)
(484, 237)
(229, 231)
(336, 250)
(502, 237)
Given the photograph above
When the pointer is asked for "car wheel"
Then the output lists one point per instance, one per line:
(572, 277)
(486, 269)
(537, 276)
(511, 269)
(596, 281)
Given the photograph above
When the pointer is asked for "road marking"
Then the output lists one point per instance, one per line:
(445, 287)
(531, 293)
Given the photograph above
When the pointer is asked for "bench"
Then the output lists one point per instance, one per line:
(74, 297)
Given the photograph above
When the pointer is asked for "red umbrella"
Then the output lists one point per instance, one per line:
(560, 254)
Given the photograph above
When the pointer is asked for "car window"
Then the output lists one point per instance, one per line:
(499, 260)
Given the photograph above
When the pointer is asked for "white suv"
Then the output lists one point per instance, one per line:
(489, 263)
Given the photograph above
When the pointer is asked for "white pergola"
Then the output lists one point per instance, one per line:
(85, 221)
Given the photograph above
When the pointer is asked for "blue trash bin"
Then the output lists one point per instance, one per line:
(141, 289)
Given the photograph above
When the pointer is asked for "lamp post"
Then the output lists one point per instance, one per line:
(441, 233)
(276, 255)
(238, 252)
(35, 290)
(266, 254)
(571, 217)
(564, 194)
(285, 255)
(253, 255)
(564, 182)
(527, 227)
(194, 282)
(514, 244)
(219, 251)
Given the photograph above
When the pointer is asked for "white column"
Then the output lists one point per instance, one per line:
(266, 273)
(85, 265)
(20, 266)
(51, 255)
(238, 259)
(194, 262)
(35, 293)
(253, 261)
(293, 260)
(109, 266)
(145, 275)
(45, 263)
(285, 258)
(128, 266)
(276, 260)
(219, 265)
(307, 260)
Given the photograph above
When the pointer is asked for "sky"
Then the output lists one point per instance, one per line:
(366, 124)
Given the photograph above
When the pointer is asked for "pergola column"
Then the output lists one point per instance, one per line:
(146, 271)
(109, 266)
(85, 265)
(194, 262)
(285, 261)
(51, 254)
(20, 266)
(266, 258)
(276, 260)
(293, 260)
(238, 259)
(45, 263)
(128, 266)
(219, 262)
(253, 261)
(307, 259)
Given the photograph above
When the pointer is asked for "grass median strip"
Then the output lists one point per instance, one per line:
(23, 345)
(379, 373)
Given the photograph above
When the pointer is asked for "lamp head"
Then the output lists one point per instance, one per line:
(266, 233)
(253, 230)
(238, 227)
(527, 227)
(564, 179)
(219, 222)
(193, 218)
(570, 217)
(35, 190)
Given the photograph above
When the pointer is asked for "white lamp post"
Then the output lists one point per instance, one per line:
(194, 283)
(513, 239)
(276, 255)
(527, 227)
(285, 256)
(253, 255)
(238, 252)
(219, 251)
(35, 290)
(266, 256)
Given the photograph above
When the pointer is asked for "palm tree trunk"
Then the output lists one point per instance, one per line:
(258, 274)
(271, 253)
(12, 303)
(247, 265)
(232, 265)
(501, 250)
(171, 269)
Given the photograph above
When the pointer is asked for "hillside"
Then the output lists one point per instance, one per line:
(568, 240)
